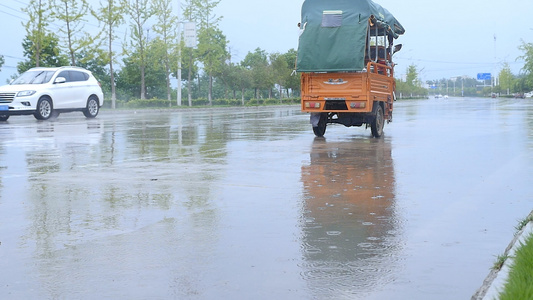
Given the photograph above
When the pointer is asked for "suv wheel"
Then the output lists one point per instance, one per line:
(92, 108)
(44, 109)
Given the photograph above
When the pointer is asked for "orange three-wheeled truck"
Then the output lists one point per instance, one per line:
(345, 58)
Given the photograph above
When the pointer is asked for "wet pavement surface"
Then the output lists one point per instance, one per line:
(248, 204)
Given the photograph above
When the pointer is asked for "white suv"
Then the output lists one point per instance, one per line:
(46, 92)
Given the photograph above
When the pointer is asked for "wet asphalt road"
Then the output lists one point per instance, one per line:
(247, 204)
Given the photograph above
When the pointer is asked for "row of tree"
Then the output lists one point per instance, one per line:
(509, 83)
(150, 50)
(411, 87)
(506, 83)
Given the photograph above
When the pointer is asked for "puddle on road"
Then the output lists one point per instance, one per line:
(349, 228)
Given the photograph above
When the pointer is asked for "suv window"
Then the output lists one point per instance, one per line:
(78, 76)
(64, 74)
(34, 77)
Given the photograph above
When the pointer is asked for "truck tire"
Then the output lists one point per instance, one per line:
(320, 130)
(377, 124)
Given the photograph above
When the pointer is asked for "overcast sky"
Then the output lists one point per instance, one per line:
(443, 38)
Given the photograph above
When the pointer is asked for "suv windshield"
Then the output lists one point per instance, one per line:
(34, 77)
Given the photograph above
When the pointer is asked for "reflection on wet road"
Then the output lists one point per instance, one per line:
(247, 204)
(349, 231)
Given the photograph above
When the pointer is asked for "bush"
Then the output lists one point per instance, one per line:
(163, 103)
(253, 102)
(144, 103)
(118, 103)
(293, 100)
(200, 102)
(271, 101)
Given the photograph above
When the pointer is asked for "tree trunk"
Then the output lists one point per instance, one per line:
(113, 89)
(69, 38)
(143, 84)
(210, 90)
(142, 63)
(167, 73)
(280, 93)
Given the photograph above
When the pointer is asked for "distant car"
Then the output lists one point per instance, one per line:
(46, 92)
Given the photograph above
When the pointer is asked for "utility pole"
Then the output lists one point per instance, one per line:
(179, 55)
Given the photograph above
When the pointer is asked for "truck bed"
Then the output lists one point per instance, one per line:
(348, 91)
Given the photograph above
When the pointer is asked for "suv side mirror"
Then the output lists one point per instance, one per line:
(60, 80)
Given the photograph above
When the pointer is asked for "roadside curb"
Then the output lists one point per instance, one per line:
(190, 108)
(495, 281)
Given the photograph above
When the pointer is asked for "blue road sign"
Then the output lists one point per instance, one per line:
(483, 76)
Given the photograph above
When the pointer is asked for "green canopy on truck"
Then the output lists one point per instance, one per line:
(333, 34)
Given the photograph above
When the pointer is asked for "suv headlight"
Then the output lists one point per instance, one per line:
(25, 93)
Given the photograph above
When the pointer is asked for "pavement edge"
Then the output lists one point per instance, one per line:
(495, 280)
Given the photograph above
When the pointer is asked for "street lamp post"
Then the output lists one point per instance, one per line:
(179, 55)
(179, 64)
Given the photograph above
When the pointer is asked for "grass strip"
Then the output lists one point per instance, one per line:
(519, 284)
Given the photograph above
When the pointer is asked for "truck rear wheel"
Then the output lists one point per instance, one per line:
(320, 130)
(377, 124)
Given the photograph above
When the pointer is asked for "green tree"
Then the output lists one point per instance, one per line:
(111, 15)
(280, 69)
(261, 76)
(212, 53)
(50, 56)
(129, 76)
(412, 86)
(97, 64)
(36, 32)
(211, 41)
(243, 79)
(202, 12)
(506, 79)
(228, 76)
(156, 72)
(293, 80)
(527, 48)
(520, 84)
(2, 61)
(166, 28)
(140, 11)
(189, 69)
(412, 75)
(72, 14)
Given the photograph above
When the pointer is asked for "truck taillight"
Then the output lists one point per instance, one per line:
(312, 104)
(357, 104)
